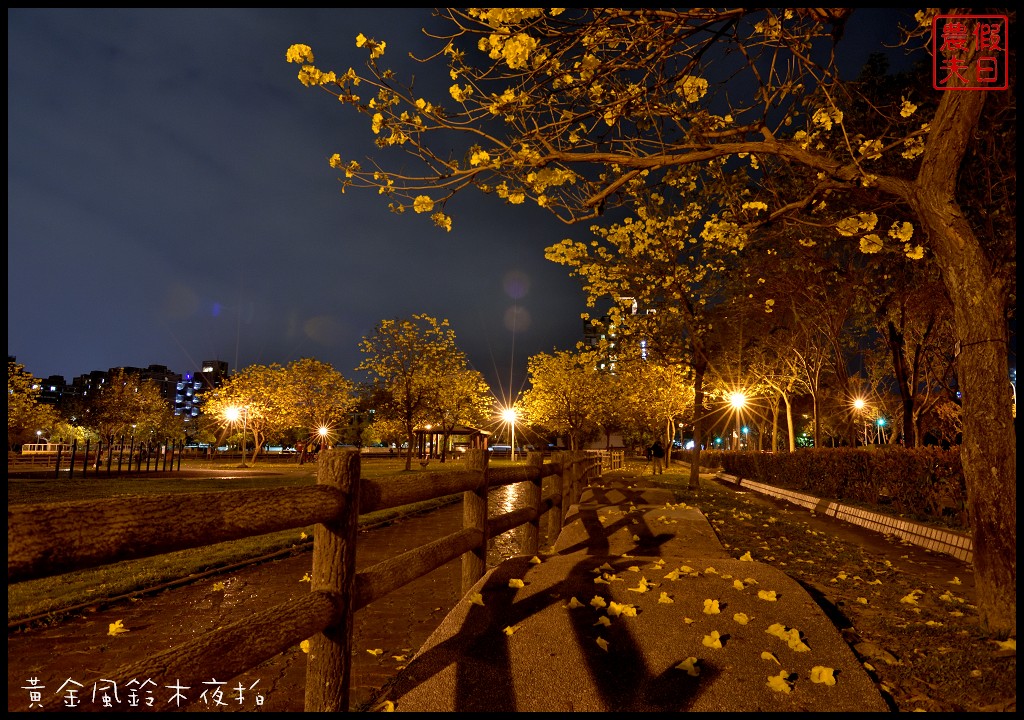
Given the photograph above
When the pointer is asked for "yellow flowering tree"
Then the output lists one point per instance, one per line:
(583, 110)
(316, 396)
(407, 360)
(561, 397)
(25, 413)
(254, 391)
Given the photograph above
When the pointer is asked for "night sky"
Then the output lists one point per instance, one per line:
(170, 201)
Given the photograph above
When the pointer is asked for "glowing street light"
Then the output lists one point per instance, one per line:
(232, 414)
(323, 432)
(859, 404)
(509, 416)
(738, 400)
(881, 430)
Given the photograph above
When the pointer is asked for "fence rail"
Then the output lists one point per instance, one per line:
(50, 539)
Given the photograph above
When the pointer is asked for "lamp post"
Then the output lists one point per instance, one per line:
(323, 432)
(509, 416)
(738, 400)
(232, 414)
(859, 404)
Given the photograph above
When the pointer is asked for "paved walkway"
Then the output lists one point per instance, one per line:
(619, 618)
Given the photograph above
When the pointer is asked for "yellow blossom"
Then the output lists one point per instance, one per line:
(442, 221)
(509, 629)
(516, 583)
(304, 646)
(908, 108)
(460, 94)
(423, 204)
(603, 644)
(692, 88)
(376, 652)
(915, 252)
(768, 595)
(116, 628)
(741, 618)
(711, 607)
(299, 54)
(870, 244)
(476, 598)
(901, 231)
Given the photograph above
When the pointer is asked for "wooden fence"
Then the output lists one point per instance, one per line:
(50, 539)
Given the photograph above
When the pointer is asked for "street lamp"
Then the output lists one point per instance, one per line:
(323, 432)
(738, 400)
(859, 404)
(509, 416)
(232, 414)
(881, 430)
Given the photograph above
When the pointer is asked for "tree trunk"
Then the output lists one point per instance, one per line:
(980, 297)
(699, 366)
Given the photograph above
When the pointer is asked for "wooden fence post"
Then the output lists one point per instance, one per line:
(567, 473)
(474, 515)
(329, 668)
(531, 538)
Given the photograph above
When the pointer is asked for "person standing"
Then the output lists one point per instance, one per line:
(657, 454)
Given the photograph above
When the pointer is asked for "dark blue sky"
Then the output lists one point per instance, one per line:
(170, 201)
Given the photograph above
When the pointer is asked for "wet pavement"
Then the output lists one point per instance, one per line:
(80, 650)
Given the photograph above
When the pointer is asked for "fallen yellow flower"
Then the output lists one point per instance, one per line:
(746, 556)
(642, 587)
(516, 583)
(780, 682)
(574, 603)
(304, 646)
(664, 598)
(768, 595)
(535, 560)
(386, 706)
(741, 618)
(821, 674)
(738, 584)
(623, 609)
(376, 652)
(603, 644)
(603, 620)
(768, 656)
(116, 628)
(218, 586)
(713, 640)
(306, 578)
(711, 607)
(955, 581)
(510, 629)
(476, 598)
(598, 602)
(1009, 644)
(690, 666)
(911, 597)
